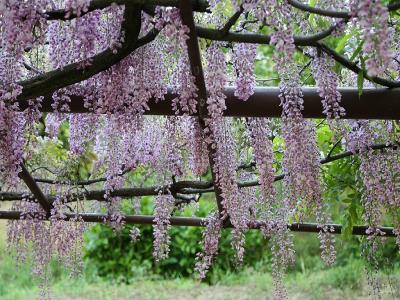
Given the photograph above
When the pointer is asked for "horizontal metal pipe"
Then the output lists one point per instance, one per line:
(199, 222)
(372, 104)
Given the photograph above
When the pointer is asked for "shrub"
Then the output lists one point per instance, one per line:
(114, 256)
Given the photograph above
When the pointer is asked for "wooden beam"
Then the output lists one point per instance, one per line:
(196, 67)
(35, 189)
(380, 103)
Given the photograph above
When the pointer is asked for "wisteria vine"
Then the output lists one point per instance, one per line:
(111, 62)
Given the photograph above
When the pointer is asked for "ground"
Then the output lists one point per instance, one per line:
(337, 283)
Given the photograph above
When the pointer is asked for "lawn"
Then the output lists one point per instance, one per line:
(241, 286)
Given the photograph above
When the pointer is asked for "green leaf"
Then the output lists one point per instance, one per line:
(347, 229)
(353, 213)
(360, 83)
(311, 18)
(342, 42)
(357, 51)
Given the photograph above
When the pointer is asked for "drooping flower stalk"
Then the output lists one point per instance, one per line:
(378, 172)
(113, 161)
(244, 56)
(67, 236)
(82, 130)
(211, 237)
(373, 19)
(184, 86)
(169, 21)
(163, 206)
(11, 144)
(31, 229)
(12, 121)
(21, 25)
(327, 83)
(198, 159)
(221, 139)
(134, 233)
(225, 168)
(76, 7)
(282, 249)
(359, 140)
(264, 157)
(326, 238)
(216, 80)
(301, 158)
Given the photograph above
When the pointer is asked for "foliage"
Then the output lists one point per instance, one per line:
(112, 254)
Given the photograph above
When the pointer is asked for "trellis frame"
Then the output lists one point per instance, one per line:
(264, 103)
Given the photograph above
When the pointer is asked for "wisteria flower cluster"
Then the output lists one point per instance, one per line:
(373, 17)
(211, 237)
(244, 56)
(164, 205)
(327, 82)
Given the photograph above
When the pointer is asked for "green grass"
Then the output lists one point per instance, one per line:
(256, 286)
(336, 283)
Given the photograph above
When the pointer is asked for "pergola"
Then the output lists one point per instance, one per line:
(380, 103)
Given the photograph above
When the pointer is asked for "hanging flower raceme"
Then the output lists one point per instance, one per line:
(282, 249)
(19, 22)
(216, 80)
(260, 133)
(211, 237)
(11, 144)
(371, 167)
(115, 90)
(10, 74)
(225, 168)
(221, 139)
(85, 38)
(79, 39)
(219, 129)
(12, 121)
(82, 131)
(373, 19)
(169, 21)
(67, 236)
(198, 159)
(112, 132)
(244, 56)
(378, 173)
(130, 84)
(173, 157)
(168, 165)
(134, 233)
(31, 230)
(120, 154)
(76, 40)
(163, 207)
(327, 83)
(53, 123)
(184, 86)
(76, 7)
(301, 157)
(182, 80)
(326, 238)
(300, 164)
